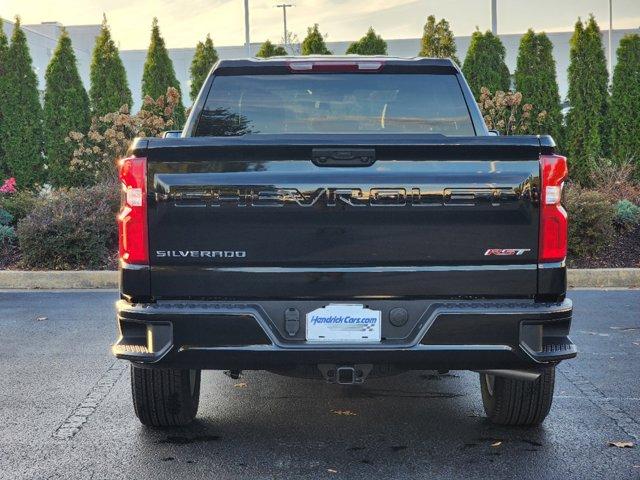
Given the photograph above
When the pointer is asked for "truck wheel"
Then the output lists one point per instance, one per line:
(165, 397)
(517, 402)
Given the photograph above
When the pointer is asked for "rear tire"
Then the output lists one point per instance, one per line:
(165, 397)
(517, 402)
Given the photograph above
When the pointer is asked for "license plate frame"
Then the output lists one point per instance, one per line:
(344, 323)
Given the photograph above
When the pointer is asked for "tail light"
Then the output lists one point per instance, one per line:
(132, 220)
(553, 217)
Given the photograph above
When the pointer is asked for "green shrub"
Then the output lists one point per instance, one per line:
(268, 49)
(586, 132)
(19, 204)
(591, 217)
(535, 78)
(203, 59)
(109, 87)
(7, 235)
(21, 132)
(5, 217)
(73, 229)
(66, 109)
(627, 214)
(625, 102)
(158, 74)
(370, 44)
(438, 40)
(313, 43)
(484, 65)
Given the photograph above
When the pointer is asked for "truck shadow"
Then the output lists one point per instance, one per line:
(290, 427)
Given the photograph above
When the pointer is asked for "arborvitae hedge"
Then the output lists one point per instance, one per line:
(625, 102)
(438, 40)
(535, 78)
(109, 88)
(203, 59)
(313, 44)
(21, 132)
(370, 44)
(588, 97)
(268, 49)
(484, 64)
(158, 74)
(66, 109)
(4, 50)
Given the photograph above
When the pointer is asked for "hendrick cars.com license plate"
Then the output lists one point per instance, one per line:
(343, 323)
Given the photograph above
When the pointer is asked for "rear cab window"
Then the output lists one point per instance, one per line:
(344, 103)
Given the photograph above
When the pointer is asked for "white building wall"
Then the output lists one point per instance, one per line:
(42, 40)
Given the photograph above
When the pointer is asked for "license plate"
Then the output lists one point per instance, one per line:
(343, 323)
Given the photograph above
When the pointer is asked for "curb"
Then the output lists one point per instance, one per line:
(55, 280)
(107, 279)
(603, 278)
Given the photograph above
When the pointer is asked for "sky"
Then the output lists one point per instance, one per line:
(185, 22)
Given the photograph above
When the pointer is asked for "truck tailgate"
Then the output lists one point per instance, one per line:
(319, 218)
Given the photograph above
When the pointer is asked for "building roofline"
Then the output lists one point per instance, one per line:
(26, 27)
(407, 39)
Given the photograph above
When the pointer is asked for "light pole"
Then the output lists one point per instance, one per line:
(284, 7)
(247, 40)
(610, 44)
(494, 17)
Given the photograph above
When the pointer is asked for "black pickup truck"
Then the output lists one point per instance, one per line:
(342, 218)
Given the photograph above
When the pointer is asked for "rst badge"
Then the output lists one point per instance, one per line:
(506, 252)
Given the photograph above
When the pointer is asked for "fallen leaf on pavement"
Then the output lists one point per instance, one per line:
(240, 385)
(346, 413)
(621, 444)
(40, 319)
(496, 444)
(331, 470)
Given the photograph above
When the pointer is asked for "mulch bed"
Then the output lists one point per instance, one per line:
(623, 252)
(9, 257)
(10, 260)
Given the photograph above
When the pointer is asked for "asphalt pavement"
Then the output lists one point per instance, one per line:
(65, 410)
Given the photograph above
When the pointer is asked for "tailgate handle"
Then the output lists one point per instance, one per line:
(343, 157)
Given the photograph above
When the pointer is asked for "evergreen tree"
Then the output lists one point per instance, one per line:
(370, 44)
(4, 50)
(484, 64)
(625, 102)
(438, 40)
(158, 74)
(268, 49)
(204, 58)
(588, 79)
(109, 88)
(66, 109)
(21, 132)
(313, 44)
(535, 78)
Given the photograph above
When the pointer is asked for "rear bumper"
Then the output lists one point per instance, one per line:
(456, 335)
